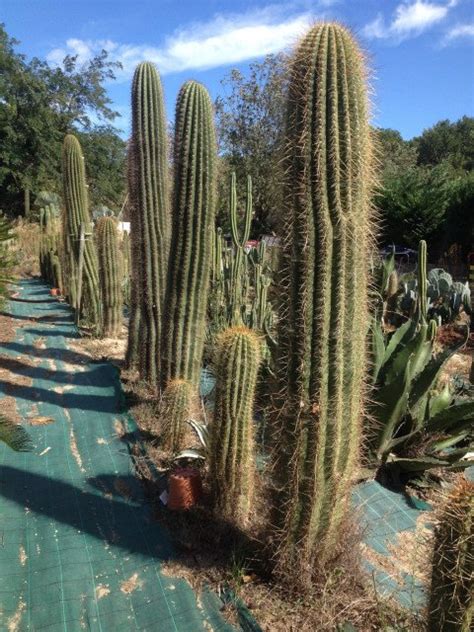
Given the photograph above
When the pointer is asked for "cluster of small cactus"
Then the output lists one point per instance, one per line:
(240, 276)
(232, 442)
(50, 263)
(150, 221)
(451, 603)
(110, 277)
(324, 295)
(77, 221)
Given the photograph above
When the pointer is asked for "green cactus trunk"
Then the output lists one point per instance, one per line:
(193, 221)
(150, 220)
(422, 281)
(451, 604)
(110, 278)
(125, 251)
(324, 297)
(173, 412)
(77, 212)
(232, 443)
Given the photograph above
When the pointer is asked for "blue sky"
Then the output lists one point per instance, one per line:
(421, 51)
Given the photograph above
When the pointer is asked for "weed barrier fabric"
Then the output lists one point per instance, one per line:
(78, 548)
(395, 552)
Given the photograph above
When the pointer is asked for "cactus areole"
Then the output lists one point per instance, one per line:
(323, 311)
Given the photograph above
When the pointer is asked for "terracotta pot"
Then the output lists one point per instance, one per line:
(185, 488)
(54, 291)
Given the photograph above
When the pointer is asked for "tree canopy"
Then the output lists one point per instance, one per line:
(39, 104)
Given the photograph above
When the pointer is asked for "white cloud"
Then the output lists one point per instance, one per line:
(459, 31)
(410, 18)
(222, 41)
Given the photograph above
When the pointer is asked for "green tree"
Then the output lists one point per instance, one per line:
(39, 104)
(448, 142)
(395, 155)
(413, 204)
(250, 124)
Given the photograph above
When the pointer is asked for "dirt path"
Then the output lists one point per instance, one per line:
(78, 549)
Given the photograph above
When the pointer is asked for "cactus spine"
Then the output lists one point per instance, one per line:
(149, 215)
(323, 311)
(77, 213)
(451, 606)
(110, 278)
(232, 444)
(193, 220)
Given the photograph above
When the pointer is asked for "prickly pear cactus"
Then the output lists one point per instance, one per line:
(323, 312)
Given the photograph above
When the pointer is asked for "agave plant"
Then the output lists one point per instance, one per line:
(200, 453)
(410, 416)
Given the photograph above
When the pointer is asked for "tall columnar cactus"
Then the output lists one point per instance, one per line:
(125, 251)
(422, 282)
(110, 278)
(239, 273)
(77, 213)
(232, 443)
(323, 312)
(150, 220)
(451, 604)
(193, 221)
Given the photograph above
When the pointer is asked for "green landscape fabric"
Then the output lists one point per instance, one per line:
(386, 517)
(78, 547)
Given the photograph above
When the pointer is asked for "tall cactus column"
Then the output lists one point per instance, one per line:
(77, 212)
(110, 277)
(193, 222)
(323, 312)
(149, 214)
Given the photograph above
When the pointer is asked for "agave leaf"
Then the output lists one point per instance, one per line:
(452, 417)
(442, 444)
(417, 464)
(378, 349)
(201, 430)
(403, 333)
(427, 379)
(412, 350)
(190, 454)
(390, 407)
